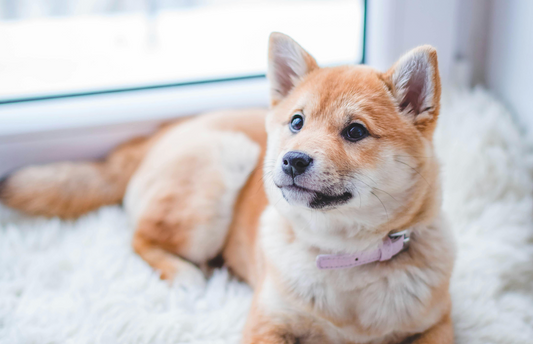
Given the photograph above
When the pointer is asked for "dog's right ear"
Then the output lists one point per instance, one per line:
(415, 83)
(288, 63)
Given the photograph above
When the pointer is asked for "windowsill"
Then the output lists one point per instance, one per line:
(128, 107)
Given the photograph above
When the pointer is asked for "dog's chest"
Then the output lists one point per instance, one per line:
(358, 295)
(355, 304)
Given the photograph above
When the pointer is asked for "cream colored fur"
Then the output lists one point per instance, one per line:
(386, 300)
(229, 157)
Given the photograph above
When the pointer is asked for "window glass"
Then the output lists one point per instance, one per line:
(51, 47)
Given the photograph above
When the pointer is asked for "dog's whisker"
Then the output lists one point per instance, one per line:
(359, 195)
(378, 189)
(385, 208)
(414, 156)
(414, 169)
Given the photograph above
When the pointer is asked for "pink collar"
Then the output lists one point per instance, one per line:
(392, 245)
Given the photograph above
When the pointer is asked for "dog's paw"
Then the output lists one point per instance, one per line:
(185, 275)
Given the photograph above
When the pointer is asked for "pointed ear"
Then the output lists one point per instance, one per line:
(415, 83)
(288, 63)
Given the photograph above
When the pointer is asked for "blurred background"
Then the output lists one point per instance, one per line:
(69, 46)
(79, 76)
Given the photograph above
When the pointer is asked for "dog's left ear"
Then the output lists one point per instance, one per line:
(415, 83)
(288, 63)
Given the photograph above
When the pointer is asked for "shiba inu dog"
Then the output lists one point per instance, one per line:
(328, 204)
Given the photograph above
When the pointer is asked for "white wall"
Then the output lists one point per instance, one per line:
(396, 26)
(473, 30)
(494, 47)
(509, 65)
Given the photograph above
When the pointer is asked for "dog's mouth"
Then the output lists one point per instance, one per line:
(314, 199)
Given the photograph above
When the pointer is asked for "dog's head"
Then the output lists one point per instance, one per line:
(350, 136)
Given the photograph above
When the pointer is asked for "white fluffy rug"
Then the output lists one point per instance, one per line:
(80, 282)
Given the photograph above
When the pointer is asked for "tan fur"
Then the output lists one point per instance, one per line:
(71, 189)
(198, 189)
(182, 200)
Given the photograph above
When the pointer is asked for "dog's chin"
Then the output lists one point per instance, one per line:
(313, 199)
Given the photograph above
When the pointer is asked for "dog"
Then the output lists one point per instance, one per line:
(328, 204)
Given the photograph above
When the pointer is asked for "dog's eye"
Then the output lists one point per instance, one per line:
(297, 122)
(355, 132)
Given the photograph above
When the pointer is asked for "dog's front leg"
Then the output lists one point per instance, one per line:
(440, 333)
(262, 328)
(276, 317)
(270, 320)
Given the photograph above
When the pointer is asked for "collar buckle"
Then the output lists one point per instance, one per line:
(402, 235)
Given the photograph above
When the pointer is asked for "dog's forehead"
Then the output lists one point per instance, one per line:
(347, 89)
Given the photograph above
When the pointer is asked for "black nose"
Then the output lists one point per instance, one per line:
(295, 163)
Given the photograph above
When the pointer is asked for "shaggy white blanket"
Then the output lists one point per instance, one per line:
(80, 282)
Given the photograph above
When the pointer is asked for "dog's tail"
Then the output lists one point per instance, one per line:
(70, 189)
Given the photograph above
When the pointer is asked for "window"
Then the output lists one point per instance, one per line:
(54, 48)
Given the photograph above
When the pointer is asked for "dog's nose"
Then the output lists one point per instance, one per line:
(295, 163)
